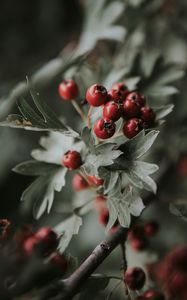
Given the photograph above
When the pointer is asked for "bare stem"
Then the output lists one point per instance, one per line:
(79, 110)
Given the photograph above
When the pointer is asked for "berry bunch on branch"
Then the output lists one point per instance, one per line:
(93, 172)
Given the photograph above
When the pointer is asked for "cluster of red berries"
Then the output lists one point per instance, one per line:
(139, 235)
(117, 102)
(21, 247)
(135, 279)
(172, 273)
(43, 242)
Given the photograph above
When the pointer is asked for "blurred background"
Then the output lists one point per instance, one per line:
(34, 32)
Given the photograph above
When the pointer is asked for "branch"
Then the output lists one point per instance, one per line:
(74, 283)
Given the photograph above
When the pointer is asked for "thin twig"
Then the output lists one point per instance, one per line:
(79, 110)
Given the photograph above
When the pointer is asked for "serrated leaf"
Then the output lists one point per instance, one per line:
(33, 168)
(179, 208)
(41, 192)
(140, 144)
(99, 24)
(138, 173)
(44, 119)
(104, 155)
(163, 111)
(54, 146)
(67, 229)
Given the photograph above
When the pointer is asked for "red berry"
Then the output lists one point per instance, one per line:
(130, 108)
(96, 95)
(138, 98)
(115, 95)
(151, 228)
(104, 216)
(135, 278)
(137, 231)
(112, 110)
(176, 283)
(139, 243)
(47, 239)
(79, 183)
(30, 245)
(94, 180)
(153, 295)
(121, 87)
(104, 128)
(132, 127)
(177, 259)
(147, 115)
(59, 261)
(72, 159)
(68, 89)
(23, 233)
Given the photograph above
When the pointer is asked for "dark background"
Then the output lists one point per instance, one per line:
(31, 33)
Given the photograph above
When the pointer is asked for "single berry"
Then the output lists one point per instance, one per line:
(112, 110)
(23, 233)
(59, 261)
(153, 295)
(147, 115)
(121, 87)
(104, 216)
(151, 228)
(135, 278)
(132, 127)
(100, 203)
(115, 95)
(104, 128)
(176, 283)
(139, 244)
(130, 108)
(138, 98)
(68, 89)
(79, 183)
(137, 231)
(47, 239)
(177, 259)
(95, 180)
(72, 159)
(96, 95)
(30, 245)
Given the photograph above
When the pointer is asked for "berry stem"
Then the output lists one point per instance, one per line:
(79, 110)
(89, 117)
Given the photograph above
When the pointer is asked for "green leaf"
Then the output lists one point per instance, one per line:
(32, 120)
(67, 229)
(163, 111)
(94, 285)
(179, 208)
(40, 194)
(104, 155)
(99, 24)
(33, 168)
(54, 146)
(157, 83)
(140, 144)
(138, 173)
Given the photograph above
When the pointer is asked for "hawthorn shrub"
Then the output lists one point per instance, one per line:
(122, 157)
